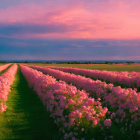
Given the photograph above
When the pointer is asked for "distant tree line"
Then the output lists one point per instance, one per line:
(68, 62)
(2, 61)
(77, 62)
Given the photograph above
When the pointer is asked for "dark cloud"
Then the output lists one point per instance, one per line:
(21, 28)
(32, 48)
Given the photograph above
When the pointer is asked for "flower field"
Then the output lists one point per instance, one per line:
(129, 79)
(82, 104)
(6, 80)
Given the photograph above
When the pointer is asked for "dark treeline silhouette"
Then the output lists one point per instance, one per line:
(2, 61)
(69, 62)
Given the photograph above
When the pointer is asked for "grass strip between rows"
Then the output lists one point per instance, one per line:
(26, 117)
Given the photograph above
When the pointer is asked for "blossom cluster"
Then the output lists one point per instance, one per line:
(73, 110)
(6, 80)
(129, 79)
(122, 102)
(3, 67)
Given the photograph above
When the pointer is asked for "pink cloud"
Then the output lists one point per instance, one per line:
(90, 20)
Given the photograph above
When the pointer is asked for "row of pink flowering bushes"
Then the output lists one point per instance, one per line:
(124, 104)
(129, 79)
(74, 112)
(6, 80)
(3, 67)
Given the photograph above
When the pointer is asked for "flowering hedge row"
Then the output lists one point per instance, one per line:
(129, 79)
(123, 103)
(4, 67)
(73, 111)
(6, 80)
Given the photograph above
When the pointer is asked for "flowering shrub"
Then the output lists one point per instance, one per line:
(73, 111)
(124, 103)
(6, 80)
(129, 79)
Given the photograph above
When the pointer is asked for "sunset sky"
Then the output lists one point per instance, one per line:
(70, 29)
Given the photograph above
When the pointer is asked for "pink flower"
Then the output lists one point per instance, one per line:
(3, 107)
(113, 115)
(95, 122)
(71, 102)
(107, 122)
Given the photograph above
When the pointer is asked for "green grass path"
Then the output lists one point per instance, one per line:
(26, 117)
